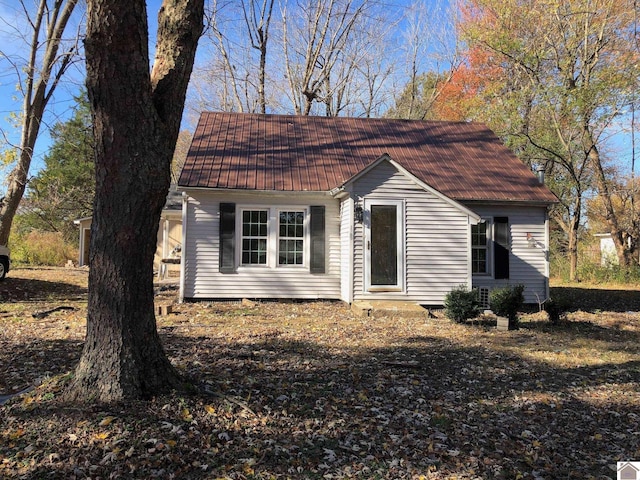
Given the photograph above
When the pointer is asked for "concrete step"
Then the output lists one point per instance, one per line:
(372, 308)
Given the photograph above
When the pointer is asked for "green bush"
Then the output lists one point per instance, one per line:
(461, 304)
(506, 302)
(41, 248)
(591, 271)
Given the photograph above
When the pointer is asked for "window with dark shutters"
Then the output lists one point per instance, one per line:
(317, 228)
(227, 260)
(501, 247)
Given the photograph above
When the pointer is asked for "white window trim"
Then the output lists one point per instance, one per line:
(305, 236)
(273, 236)
(488, 221)
(240, 236)
(401, 247)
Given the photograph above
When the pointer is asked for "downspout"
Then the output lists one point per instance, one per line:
(81, 245)
(183, 253)
(547, 259)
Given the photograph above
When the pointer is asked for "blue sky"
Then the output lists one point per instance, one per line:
(12, 24)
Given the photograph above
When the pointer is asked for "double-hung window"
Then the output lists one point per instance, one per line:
(479, 249)
(490, 248)
(291, 238)
(271, 237)
(254, 237)
(260, 246)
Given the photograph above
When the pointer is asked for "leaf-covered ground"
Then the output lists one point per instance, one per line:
(309, 390)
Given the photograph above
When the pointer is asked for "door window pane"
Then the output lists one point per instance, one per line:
(384, 245)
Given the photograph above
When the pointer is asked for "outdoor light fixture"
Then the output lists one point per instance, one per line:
(358, 213)
(533, 243)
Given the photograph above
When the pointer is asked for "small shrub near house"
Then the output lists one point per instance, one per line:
(556, 309)
(461, 304)
(506, 302)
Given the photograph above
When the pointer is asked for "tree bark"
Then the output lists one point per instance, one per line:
(136, 120)
(572, 234)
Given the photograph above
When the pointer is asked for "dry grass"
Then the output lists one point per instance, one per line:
(308, 390)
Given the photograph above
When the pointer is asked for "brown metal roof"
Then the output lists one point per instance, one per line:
(464, 161)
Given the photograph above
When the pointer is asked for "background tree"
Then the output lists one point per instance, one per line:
(64, 189)
(136, 117)
(257, 17)
(323, 45)
(417, 100)
(430, 50)
(180, 154)
(562, 76)
(263, 58)
(49, 58)
(625, 198)
(237, 44)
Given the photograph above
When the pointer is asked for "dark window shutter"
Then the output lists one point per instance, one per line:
(227, 249)
(316, 227)
(501, 247)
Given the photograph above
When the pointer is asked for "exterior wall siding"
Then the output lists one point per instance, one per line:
(436, 239)
(527, 265)
(202, 280)
(346, 250)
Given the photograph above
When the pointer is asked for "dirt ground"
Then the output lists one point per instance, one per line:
(309, 390)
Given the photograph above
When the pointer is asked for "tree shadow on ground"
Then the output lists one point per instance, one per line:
(29, 364)
(595, 299)
(573, 330)
(287, 407)
(33, 290)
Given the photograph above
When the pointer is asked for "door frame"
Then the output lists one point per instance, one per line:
(400, 255)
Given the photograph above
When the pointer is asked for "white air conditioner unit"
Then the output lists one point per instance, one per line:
(483, 297)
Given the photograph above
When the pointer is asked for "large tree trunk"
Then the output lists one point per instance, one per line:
(574, 224)
(136, 120)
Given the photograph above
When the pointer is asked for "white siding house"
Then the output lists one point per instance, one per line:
(357, 209)
(202, 275)
(527, 260)
(432, 237)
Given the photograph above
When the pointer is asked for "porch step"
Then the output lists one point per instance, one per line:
(389, 308)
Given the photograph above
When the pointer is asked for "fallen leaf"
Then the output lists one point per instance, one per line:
(106, 421)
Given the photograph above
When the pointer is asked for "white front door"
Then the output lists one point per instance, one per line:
(384, 245)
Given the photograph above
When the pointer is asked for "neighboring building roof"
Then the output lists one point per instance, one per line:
(464, 161)
(173, 203)
(174, 198)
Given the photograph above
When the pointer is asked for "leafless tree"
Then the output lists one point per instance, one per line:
(257, 16)
(49, 57)
(234, 78)
(430, 47)
(319, 59)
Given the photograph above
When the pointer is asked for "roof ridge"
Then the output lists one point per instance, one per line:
(339, 118)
